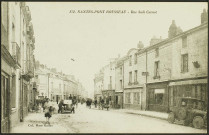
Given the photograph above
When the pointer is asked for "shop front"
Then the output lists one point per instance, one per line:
(118, 100)
(132, 98)
(7, 77)
(109, 95)
(196, 88)
(157, 97)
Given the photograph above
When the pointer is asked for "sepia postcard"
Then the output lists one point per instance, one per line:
(104, 67)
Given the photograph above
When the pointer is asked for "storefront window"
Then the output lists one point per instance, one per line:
(127, 98)
(136, 97)
(159, 96)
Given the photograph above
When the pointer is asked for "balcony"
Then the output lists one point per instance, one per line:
(29, 72)
(28, 13)
(30, 30)
(34, 86)
(16, 54)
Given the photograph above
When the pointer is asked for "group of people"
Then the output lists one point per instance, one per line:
(102, 103)
(49, 109)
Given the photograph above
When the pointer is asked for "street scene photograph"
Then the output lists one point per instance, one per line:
(104, 67)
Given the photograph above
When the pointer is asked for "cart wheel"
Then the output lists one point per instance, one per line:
(171, 117)
(198, 122)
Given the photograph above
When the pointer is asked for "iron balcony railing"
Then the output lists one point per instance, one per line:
(16, 52)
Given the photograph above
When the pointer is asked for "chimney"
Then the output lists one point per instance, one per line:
(179, 30)
(140, 45)
(172, 30)
(155, 40)
(204, 16)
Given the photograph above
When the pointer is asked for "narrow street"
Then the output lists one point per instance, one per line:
(92, 120)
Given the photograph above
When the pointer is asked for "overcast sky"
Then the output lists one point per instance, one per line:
(91, 39)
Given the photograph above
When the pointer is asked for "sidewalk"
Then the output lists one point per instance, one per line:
(153, 114)
(36, 123)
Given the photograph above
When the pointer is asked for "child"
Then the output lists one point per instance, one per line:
(48, 113)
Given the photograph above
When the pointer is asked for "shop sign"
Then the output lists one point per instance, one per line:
(159, 91)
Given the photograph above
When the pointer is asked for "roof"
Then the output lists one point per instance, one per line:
(171, 39)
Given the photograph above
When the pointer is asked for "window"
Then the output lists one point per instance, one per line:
(156, 52)
(135, 76)
(23, 27)
(127, 98)
(121, 84)
(121, 71)
(4, 96)
(13, 93)
(135, 59)
(130, 77)
(156, 71)
(159, 93)
(184, 42)
(184, 64)
(25, 100)
(130, 58)
(13, 32)
(136, 98)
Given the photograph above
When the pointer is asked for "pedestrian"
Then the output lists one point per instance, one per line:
(60, 106)
(76, 103)
(48, 110)
(90, 101)
(102, 103)
(95, 103)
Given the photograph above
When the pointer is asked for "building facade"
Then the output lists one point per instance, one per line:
(17, 71)
(98, 85)
(119, 82)
(152, 78)
(56, 85)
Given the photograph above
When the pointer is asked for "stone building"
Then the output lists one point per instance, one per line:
(177, 67)
(152, 78)
(98, 85)
(17, 71)
(132, 89)
(56, 85)
(119, 82)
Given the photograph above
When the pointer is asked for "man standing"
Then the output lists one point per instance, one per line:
(60, 106)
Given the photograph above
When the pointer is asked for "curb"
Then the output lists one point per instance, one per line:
(147, 115)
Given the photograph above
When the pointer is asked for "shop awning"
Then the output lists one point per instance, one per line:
(199, 81)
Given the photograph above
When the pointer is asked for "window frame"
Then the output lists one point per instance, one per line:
(184, 41)
(184, 62)
(130, 77)
(135, 76)
(156, 52)
(156, 69)
(135, 58)
(130, 60)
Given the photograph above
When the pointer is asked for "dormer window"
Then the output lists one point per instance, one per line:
(135, 58)
(130, 58)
